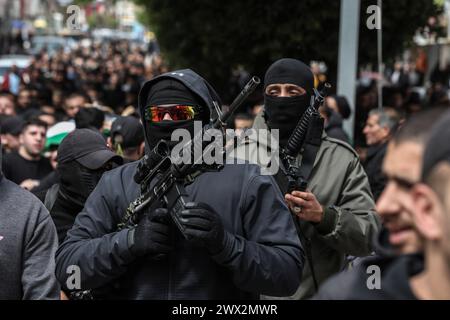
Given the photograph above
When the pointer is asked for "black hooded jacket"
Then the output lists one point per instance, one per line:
(263, 257)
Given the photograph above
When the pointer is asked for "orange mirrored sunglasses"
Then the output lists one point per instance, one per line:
(176, 112)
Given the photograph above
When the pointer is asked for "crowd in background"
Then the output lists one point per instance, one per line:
(91, 85)
(96, 87)
(88, 87)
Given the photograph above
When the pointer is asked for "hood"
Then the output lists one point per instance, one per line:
(192, 81)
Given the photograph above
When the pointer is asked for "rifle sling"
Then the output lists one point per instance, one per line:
(311, 147)
(309, 152)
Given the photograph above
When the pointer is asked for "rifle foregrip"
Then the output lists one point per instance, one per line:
(176, 200)
(298, 136)
(297, 184)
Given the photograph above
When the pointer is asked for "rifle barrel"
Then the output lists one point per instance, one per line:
(248, 89)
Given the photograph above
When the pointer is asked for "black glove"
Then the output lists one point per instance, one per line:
(152, 234)
(203, 226)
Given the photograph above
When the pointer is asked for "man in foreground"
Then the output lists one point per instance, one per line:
(242, 241)
(336, 213)
(398, 246)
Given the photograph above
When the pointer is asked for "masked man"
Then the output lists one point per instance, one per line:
(242, 240)
(83, 158)
(336, 213)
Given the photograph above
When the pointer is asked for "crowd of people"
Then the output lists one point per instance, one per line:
(90, 87)
(77, 126)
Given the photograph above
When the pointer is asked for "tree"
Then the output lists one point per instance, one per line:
(401, 19)
(214, 37)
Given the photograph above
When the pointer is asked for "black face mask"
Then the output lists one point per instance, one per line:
(78, 182)
(283, 113)
(170, 91)
(158, 131)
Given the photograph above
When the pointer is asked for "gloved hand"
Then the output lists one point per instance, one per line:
(152, 234)
(204, 226)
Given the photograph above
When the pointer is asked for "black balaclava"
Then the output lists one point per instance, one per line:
(77, 181)
(170, 91)
(283, 113)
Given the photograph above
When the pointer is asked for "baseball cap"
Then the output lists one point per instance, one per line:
(87, 147)
(438, 146)
(130, 129)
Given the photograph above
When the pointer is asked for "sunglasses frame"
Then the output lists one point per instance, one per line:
(149, 117)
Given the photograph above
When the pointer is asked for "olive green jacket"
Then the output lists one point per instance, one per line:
(341, 186)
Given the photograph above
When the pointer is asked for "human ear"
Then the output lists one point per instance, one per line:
(427, 208)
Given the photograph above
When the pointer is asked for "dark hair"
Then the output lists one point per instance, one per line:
(418, 126)
(7, 95)
(89, 118)
(243, 116)
(48, 114)
(77, 94)
(34, 122)
(439, 180)
(343, 106)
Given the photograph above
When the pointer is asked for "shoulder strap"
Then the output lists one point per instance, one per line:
(311, 147)
(50, 197)
(309, 152)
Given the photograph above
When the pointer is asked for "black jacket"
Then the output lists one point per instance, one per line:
(395, 272)
(394, 280)
(45, 184)
(333, 127)
(63, 212)
(373, 166)
(263, 257)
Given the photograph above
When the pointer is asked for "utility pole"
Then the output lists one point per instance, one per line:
(348, 57)
(380, 56)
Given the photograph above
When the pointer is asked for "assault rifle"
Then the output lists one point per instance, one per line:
(295, 179)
